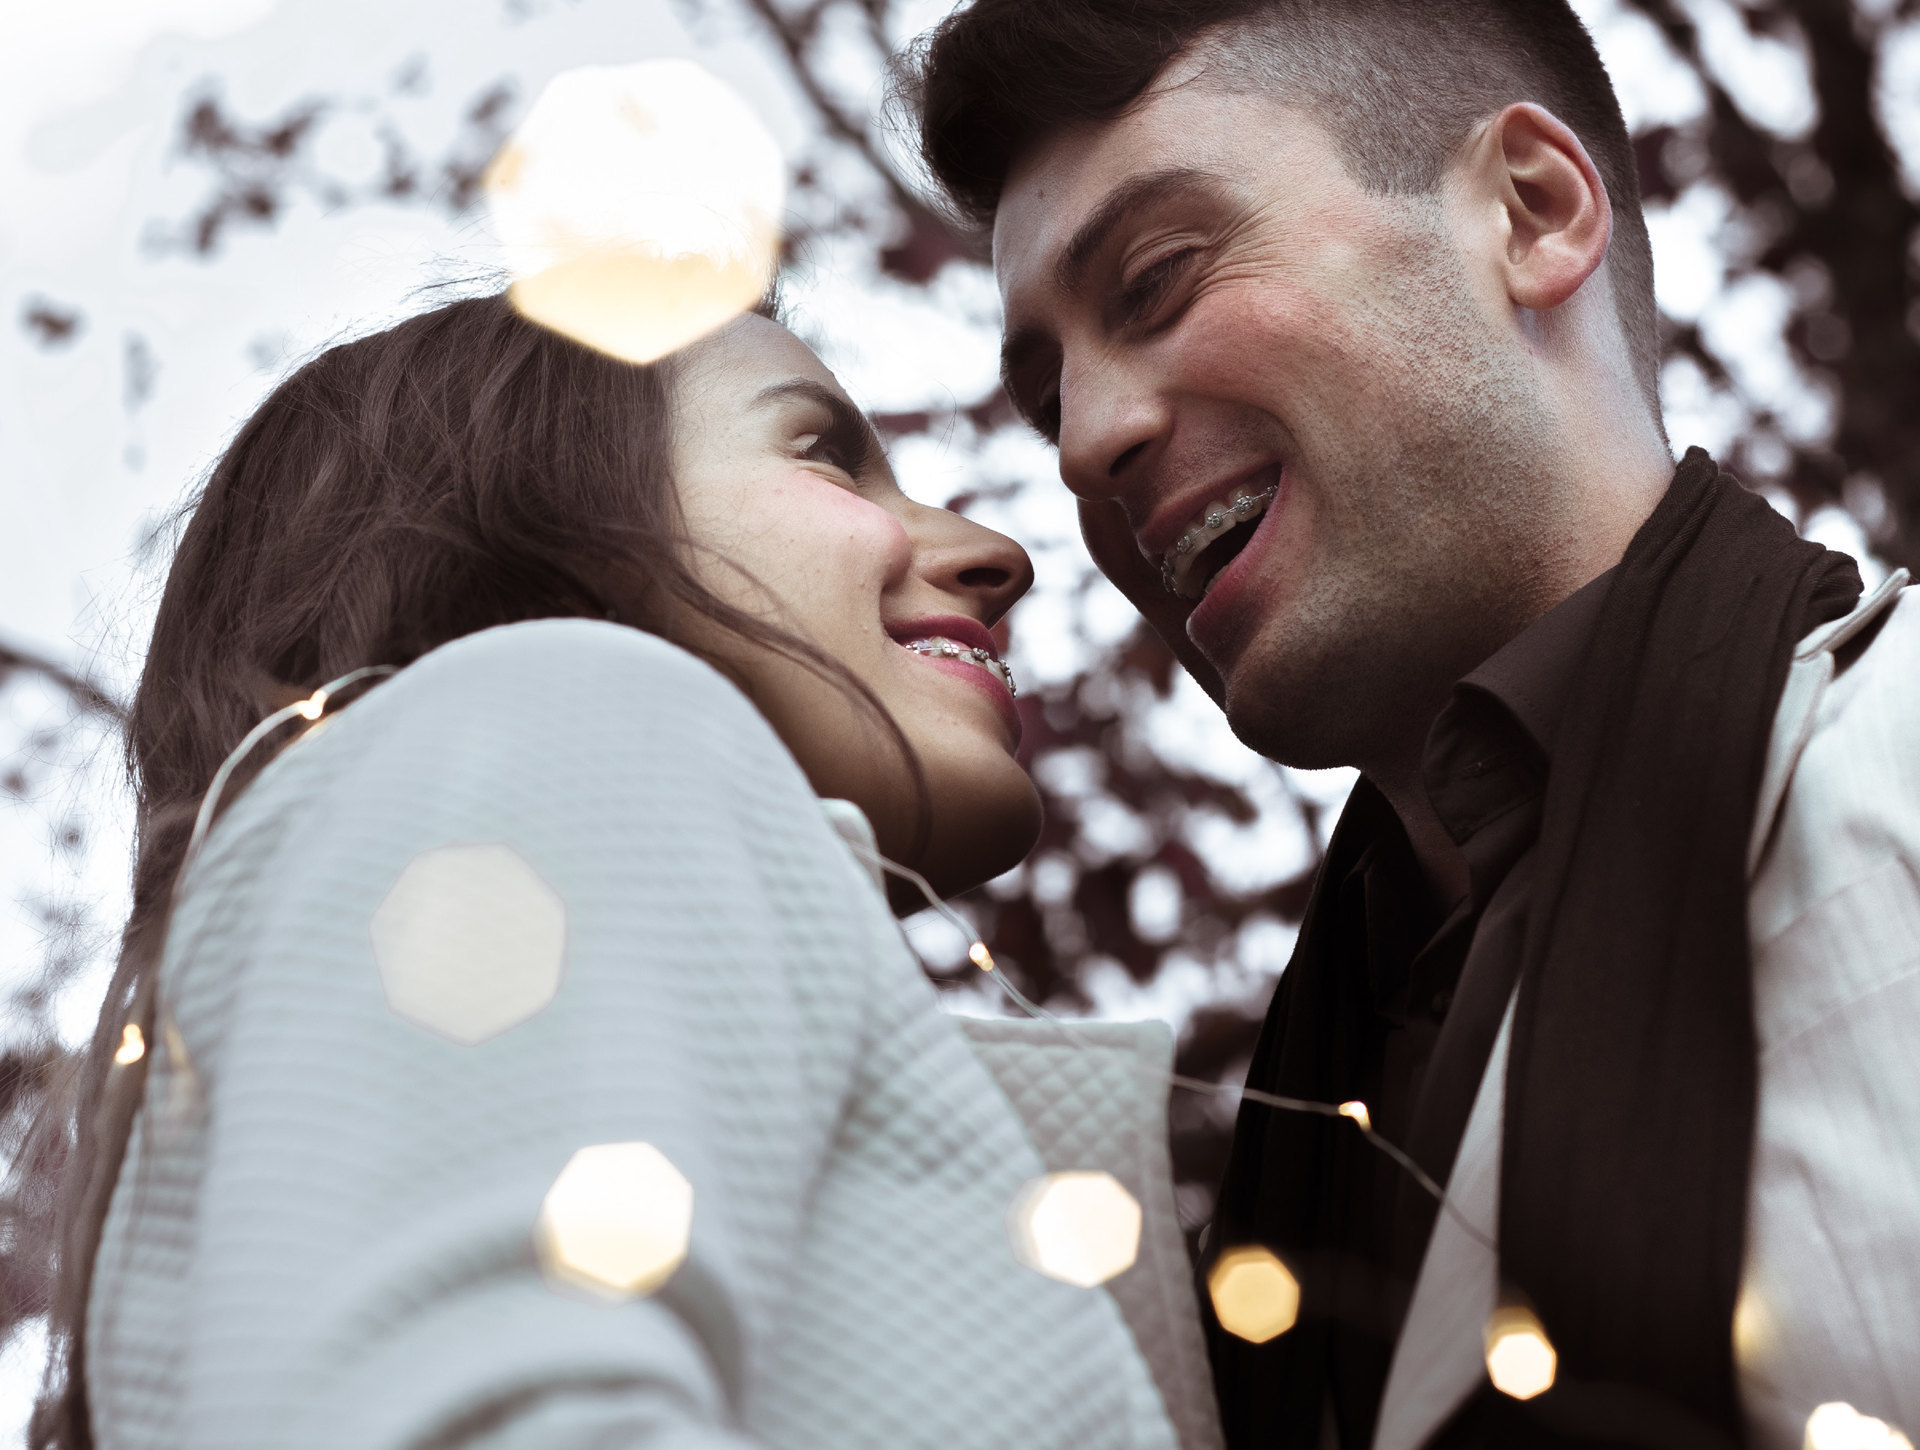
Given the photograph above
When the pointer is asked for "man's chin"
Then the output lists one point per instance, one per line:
(1294, 710)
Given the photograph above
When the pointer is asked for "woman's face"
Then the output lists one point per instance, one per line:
(796, 519)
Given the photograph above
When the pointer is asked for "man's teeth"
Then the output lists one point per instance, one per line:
(1176, 565)
(970, 654)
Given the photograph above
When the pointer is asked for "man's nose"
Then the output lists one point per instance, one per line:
(1112, 423)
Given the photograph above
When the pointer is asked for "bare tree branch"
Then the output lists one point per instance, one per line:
(795, 36)
(85, 693)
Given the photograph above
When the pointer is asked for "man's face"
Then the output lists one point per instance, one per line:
(1296, 413)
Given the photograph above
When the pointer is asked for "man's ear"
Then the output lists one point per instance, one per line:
(1557, 217)
(1103, 524)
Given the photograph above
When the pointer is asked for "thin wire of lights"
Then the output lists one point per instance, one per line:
(1354, 1110)
(314, 707)
(311, 708)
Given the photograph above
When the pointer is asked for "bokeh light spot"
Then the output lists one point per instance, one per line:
(133, 1045)
(1081, 1228)
(1752, 1325)
(1836, 1425)
(1357, 1110)
(638, 206)
(617, 1220)
(1254, 1295)
(469, 941)
(1521, 1360)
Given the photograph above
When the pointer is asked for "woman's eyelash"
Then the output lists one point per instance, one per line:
(843, 444)
(819, 448)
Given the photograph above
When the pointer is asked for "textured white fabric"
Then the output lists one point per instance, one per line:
(1831, 1288)
(322, 1235)
(1094, 1095)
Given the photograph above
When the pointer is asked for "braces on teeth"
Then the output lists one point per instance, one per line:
(1211, 526)
(947, 649)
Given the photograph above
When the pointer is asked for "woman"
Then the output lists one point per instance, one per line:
(561, 897)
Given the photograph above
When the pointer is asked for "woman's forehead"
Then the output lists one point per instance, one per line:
(752, 352)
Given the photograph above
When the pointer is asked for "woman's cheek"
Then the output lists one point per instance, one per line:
(862, 538)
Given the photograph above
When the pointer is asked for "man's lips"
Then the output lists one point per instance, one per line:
(1180, 514)
(1216, 621)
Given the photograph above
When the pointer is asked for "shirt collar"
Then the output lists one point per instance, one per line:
(1532, 673)
(1488, 750)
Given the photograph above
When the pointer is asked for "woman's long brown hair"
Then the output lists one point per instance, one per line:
(462, 470)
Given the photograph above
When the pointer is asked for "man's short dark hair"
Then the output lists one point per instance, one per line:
(1399, 84)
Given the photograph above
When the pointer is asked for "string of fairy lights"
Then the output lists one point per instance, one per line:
(617, 1221)
(637, 208)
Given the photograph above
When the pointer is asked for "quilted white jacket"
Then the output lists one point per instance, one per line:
(1830, 1295)
(324, 1232)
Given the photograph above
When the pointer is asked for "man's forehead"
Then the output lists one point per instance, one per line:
(1182, 124)
(1071, 167)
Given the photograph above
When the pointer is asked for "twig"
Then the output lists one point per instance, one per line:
(89, 696)
(794, 44)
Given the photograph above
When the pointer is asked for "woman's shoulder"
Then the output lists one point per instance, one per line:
(548, 699)
(543, 728)
(544, 666)
(632, 780)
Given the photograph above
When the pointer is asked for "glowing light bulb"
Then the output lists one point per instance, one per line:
(133, 1045)
(1521, 1360)
(980, 956)
(638, 206)
(1357, 1110)
(617, 1220)
(1081, 1228)
(1254, 1295)
(1838, 1426)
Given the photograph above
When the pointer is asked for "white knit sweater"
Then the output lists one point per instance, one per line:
(323, 1234)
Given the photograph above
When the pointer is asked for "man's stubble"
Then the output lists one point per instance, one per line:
(1433, 537)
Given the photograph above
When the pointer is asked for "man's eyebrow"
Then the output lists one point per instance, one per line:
(1069, 273)
(1132, 194)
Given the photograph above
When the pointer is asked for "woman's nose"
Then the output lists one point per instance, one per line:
(960, 557)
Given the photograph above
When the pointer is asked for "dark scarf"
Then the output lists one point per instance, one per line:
(1631, 1087)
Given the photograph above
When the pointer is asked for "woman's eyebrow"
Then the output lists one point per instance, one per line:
(845, 420)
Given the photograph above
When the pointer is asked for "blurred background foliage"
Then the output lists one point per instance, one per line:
(1780, 166)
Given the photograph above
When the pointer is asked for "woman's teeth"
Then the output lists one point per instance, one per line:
(944, 648)
(1212, 522)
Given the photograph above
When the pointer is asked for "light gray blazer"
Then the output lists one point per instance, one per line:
(1830, 1296)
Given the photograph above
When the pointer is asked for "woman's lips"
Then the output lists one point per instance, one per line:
(956, 627)
(979, 678)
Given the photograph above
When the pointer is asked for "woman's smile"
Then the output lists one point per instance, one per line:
(796, 518)
(963, 649)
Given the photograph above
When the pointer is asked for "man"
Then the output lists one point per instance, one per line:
(1341, 316)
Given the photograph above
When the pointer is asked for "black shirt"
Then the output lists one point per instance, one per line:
(1421, 987)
